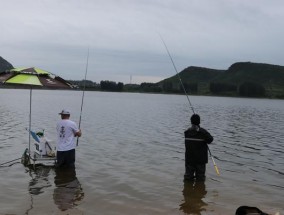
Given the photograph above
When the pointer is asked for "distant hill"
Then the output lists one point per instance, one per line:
(256, 72)
(196, 74)
(5, 65)
(200, 80)
(240, 79)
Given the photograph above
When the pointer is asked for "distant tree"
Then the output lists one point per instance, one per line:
(167, 86)
(150, 87)
(131, 87)
(189, 87)
(251, 89)
(119, 86)
(89, 85)
(111, 86)
(216, 87)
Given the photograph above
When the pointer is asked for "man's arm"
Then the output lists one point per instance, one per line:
(207, 136)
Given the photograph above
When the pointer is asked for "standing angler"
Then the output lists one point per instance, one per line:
(67, 131)
(196, 150)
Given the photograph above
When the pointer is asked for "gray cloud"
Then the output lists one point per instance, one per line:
(123, 35)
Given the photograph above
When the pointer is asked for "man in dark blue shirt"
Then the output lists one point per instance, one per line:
(196, 150)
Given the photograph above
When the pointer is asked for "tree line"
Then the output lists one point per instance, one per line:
(245, 89)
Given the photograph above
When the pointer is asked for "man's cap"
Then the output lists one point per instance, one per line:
(64, 112)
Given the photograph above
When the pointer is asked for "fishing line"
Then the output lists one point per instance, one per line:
(10, 161)
(83, 95)
(191, 106)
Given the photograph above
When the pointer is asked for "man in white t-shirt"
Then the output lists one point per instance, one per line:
(67, 131)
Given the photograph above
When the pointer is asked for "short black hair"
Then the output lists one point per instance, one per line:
(195, 119)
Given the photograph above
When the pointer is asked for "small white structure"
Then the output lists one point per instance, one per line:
(43, 147)
(43, 153)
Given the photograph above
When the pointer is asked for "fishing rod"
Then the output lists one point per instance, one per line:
(178, 74)
(191, 106)
(216, 168)
(83, 95)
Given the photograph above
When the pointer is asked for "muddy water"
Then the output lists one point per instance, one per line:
(130, 159)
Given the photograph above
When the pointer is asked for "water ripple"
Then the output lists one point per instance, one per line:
(130, 159)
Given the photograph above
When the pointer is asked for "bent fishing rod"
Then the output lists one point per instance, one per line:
(83, 95)
(190, 104)
(177, 74)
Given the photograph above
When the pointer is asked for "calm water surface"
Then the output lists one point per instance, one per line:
(130, 159)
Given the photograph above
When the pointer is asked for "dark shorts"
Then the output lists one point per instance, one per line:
(65, 158)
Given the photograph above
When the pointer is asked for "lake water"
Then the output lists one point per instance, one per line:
(130, 159)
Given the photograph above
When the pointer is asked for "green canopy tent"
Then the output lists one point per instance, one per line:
(32, 77)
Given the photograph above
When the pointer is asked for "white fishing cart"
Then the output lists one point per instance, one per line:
(43, 152)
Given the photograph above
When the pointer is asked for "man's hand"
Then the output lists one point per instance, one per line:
(78, 133)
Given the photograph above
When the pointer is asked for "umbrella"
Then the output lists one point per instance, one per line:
(34, 78)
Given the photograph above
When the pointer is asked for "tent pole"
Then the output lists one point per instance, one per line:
(30, 121)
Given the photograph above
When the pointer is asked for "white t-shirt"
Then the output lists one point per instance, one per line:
(66, 130)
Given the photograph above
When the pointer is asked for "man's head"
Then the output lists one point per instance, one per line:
(247, 210)
(65, 114)
(195, 119)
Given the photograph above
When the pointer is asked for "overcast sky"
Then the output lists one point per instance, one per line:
(123, 36)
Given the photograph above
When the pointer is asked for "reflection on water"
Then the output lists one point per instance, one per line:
(39, 180)
(193, 193)
(68, 192)
(38, 184)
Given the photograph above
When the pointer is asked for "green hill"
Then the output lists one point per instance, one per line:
(5, 65)
(240, 79)
(255, 72)
(193, 78)
(196, 74)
